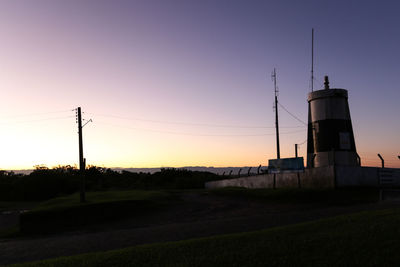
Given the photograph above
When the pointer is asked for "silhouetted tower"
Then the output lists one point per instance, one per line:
(330, 133)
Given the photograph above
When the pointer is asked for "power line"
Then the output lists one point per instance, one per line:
(319, 82)
(192, 134)
(294, 116)
(192, 124)
(35, 114)
(37, 120)
(302, 143)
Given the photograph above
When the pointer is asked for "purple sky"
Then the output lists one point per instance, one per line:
(157, 77)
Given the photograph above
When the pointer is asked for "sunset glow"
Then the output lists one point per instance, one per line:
(187, 83)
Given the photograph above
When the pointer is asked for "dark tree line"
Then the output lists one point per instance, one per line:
(44, 183)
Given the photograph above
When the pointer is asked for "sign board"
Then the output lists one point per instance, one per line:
(344, 138)
(286, 165)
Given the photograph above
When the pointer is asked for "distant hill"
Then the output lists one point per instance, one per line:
(28, 171)
(216, 170)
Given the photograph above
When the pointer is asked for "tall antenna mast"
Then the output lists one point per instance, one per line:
(278, 154)
(312, 60)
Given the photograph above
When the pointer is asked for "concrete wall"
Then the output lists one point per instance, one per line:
(258, 181)
(316, 177)
(322, 177)
(367, 176)
(356, 176)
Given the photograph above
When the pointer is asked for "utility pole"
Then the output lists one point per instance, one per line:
(295, 149)
(278, 154)
(81, 159)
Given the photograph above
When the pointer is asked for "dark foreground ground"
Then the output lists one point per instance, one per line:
(200, 214)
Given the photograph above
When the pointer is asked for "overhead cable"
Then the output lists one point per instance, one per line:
(294, 116)
(195, 134)
(193, 124)
(35, 114)
(37, 120)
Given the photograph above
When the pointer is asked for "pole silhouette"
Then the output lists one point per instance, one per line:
(81, 159)
(278, 154)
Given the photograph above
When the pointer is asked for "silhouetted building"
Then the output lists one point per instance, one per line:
(330, 138)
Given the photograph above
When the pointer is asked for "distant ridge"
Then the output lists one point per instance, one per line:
(216, 170)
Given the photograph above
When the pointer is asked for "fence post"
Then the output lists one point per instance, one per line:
(383, 161)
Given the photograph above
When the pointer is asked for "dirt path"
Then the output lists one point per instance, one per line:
(199, 215)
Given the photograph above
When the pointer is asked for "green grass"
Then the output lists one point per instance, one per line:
(93, 198)
(343, 196)
(67, 213)
(9, 232)
(13, 231)
(17, 205)
(362, 239)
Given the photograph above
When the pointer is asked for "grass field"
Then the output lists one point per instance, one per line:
(17, 205)
(341, 196)
(66, 213)
(363, 239)
(93, 198)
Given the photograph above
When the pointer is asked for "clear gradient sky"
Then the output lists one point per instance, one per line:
(187, 83)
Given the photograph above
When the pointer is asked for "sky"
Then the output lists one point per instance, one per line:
(188, 83)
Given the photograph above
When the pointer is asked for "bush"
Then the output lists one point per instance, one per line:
(44, 183)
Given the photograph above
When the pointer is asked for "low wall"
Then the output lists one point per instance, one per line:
(367, 176)
(322, 177)
(356, 176)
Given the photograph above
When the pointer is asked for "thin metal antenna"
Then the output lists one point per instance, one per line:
(278, 154)
(312, 60)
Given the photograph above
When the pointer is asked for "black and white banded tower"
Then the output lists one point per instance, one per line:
(330, 139)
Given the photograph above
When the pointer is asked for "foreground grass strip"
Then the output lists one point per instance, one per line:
(362, 239)
(99, 197)
(341, 196)
(67, 213)
(17, 205)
